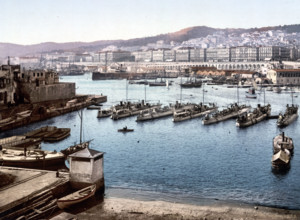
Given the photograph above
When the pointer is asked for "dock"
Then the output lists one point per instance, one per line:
(32, 193)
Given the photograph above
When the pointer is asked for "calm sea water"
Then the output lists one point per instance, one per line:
(187, 159)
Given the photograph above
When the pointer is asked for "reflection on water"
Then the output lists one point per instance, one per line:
(187, 159)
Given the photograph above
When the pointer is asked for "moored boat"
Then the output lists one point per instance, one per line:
(76, 197)
(49, 133)
(282, 142)
(131, 110)
(290, 115)
(231, 112)
(35, 159)
(191, 84)
(154, 113)
(281, 160)
(102, 113)
(257, 115)
(20, 142)
(194, 112)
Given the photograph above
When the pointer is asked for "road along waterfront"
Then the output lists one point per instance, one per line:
(185, 161)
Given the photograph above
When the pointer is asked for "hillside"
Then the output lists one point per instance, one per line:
(7, 49)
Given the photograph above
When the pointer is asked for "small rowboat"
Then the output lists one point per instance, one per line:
(76, 197)
(125, 129)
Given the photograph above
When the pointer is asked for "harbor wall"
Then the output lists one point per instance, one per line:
(43, 93)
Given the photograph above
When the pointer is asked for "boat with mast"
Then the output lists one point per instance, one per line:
(290, 115)
(257, 115)
(231, 111)
(154, 113)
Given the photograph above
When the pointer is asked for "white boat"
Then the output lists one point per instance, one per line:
(282, 142)
(277, 89)
(76, 197)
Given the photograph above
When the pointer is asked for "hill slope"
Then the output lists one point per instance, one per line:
(7, 49)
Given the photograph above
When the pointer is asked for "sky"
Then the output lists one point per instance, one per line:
(35, 21)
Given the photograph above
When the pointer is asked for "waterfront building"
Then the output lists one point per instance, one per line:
(244, 54)
(143, 56)
(197, 55)
(268, 53)
(42, 85)
(158, 55)
(84, 57)
(218, 55)
(169, 55)
(284, 76)
(183, 54)
(114, 56)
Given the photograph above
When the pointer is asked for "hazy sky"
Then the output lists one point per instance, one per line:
(36, 21)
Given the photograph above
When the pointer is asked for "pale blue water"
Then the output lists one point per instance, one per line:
(185, 160)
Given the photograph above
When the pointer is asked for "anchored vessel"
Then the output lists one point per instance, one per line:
(154, 113)
(231, 112)
(259, 114)
(282, 142)
(290, 115)
(193, 112)
(37, 159)
(131, 109)
(102, 113)
(251, 94)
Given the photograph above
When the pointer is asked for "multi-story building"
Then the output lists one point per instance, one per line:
(143, 56)
(197, 55)
(218, 55)
(159, 55)
(183, 54)
(244, 54)
(169, 55)
(268, 53)
(113, 56)
(284, 76)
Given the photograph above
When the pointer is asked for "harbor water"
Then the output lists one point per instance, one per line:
(185, 161)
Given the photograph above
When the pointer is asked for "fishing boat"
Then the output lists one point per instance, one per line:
(290, 115)
(281, 160)
(257, 115)
(154, 113)
(76, 197)
(35, 159)
(125, 129)
(102, 113)
(282, 142)
(160, 83)
(251, 94)
(231, 112)
(194, 112)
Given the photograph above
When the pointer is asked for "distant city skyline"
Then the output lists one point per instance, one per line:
(33, 21)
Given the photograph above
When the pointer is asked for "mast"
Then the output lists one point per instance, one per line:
(126, 90)
(145, 93)
(80, 115)
(180, 89)
(203, 94)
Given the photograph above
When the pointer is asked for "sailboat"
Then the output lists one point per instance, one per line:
(290, 115)
(77, 147)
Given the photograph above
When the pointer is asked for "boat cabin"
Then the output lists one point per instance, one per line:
(86, 168)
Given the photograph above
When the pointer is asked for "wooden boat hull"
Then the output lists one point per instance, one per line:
(125, 130)
(252, 121)
(76, 197)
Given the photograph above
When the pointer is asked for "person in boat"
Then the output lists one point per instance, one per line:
(125, 128)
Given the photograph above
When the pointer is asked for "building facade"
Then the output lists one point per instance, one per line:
(244, 54)
(284, 76)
